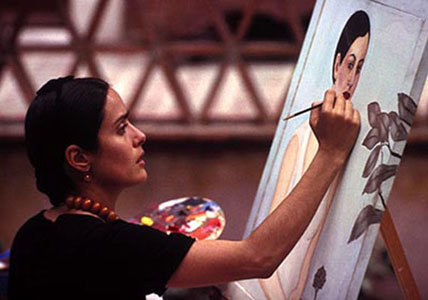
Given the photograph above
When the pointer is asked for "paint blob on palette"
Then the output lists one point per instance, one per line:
(200, 218)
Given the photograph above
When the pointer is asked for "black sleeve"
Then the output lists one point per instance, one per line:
(143, 258)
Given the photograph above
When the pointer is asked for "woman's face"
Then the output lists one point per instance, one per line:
(118, 162)
(347, 73)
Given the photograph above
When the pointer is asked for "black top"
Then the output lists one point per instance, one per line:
(80, 256)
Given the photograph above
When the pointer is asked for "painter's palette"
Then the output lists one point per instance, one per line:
(200, 218)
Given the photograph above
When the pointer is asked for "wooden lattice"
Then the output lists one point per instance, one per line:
(231, 51)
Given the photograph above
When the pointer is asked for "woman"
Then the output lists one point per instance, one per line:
(85, 151)
(348, 61)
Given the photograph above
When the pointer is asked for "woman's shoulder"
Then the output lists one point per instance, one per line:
(303, 129)
(31, 224)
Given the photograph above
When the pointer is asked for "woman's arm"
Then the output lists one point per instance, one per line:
(336, 126)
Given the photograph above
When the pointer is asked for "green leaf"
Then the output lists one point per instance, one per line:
(379, 175)
(368, 215)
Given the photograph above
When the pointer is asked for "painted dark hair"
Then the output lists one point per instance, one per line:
(358, 25)
(65, 111)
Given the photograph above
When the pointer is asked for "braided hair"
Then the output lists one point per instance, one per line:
(66, 111)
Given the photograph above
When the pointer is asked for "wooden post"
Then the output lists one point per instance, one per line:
(398, 258)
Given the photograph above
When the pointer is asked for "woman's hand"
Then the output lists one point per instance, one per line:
(336, 125)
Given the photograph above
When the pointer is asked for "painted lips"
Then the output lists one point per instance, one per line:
(346, 95)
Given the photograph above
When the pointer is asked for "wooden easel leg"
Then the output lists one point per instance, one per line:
(398, 258)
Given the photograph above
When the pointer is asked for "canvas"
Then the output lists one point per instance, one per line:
(375, 54)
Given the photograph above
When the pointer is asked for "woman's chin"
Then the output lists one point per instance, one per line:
(143, 176)
(139, 179)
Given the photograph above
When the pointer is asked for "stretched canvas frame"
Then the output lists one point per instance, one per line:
(390, 85)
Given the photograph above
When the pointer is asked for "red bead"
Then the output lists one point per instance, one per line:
(86, 205)
(77, 202)
(70, 202)
(104, 212)
(112, 216)
(96, 207)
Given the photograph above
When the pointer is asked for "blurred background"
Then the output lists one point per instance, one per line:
(206, 81)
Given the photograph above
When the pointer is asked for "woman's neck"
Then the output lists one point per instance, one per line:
(103, 196)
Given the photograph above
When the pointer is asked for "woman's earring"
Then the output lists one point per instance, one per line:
(87, 177)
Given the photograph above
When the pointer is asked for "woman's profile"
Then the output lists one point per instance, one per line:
(347, 64)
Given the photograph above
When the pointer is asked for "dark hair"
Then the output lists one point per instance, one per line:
(65, 111)
(358, 25)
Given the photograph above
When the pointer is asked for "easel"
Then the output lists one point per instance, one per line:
(398, 258)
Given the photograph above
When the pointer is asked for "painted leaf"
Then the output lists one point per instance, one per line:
(397, 129)
(372, 138)
(383, 122)
(368, 215)
(371, 161)
(406, 108)
(373, 109)
(379, 175)
(320, 278)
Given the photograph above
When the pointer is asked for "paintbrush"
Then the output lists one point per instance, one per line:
(346, 95)
(302, 111)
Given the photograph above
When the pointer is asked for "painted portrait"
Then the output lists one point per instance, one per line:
(347, 65)
(370, 52)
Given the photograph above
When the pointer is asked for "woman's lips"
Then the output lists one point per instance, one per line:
(140, 159)
(346, 95)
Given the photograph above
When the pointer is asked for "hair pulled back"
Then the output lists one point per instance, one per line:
(358, 25)
(65, 111)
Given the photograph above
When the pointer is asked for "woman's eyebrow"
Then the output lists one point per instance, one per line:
(121, 118)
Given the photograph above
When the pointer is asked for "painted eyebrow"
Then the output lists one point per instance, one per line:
(353, 55)
(122, 118)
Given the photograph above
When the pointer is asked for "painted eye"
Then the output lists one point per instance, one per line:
(350, 65)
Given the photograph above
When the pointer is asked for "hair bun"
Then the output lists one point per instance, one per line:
(53, 183)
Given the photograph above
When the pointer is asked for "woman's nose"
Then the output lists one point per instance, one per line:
(140, 137)
(351, 78)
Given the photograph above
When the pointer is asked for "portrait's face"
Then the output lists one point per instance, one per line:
(118, 162)
(347, 73)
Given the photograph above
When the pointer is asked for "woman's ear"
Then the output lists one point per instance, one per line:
(336, 66)
(77, 158)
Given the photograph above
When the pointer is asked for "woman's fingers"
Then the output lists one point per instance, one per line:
(328, 102)
(339, 104)
(336, 125)
(356, 117)
(349, 110)
(315, 114)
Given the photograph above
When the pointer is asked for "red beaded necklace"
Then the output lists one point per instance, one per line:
(85, 204)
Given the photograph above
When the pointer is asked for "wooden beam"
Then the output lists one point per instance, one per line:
(398, 258)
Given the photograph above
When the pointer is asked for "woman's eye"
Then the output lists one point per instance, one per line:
(122, 128)
(350, 65)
